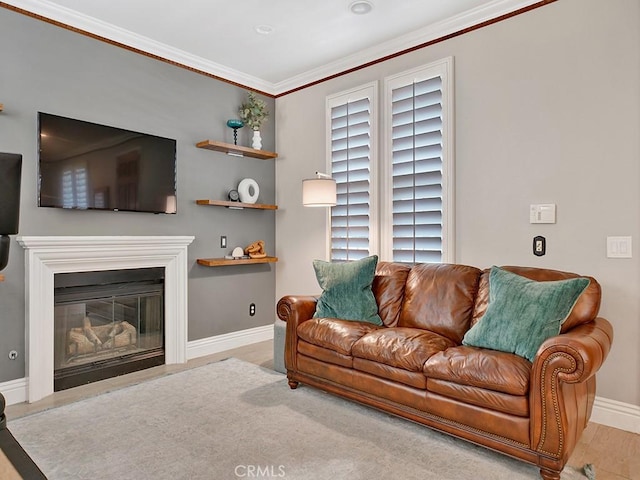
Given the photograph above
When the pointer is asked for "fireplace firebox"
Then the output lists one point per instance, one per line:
(107, 323)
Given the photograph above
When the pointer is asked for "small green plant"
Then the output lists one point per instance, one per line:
(253, 112)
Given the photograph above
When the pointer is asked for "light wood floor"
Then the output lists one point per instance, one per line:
(614, 453)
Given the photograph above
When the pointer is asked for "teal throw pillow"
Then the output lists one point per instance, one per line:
(346, 290)
(523, 313)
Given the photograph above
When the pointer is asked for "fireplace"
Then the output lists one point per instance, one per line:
(46, 257)
(107, 324)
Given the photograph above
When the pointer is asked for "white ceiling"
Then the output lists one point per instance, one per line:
(310, 39)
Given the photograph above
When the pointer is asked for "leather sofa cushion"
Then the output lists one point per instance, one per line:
(388, 288)
(586, 307)
(413, 379)
(440, 298)
(502, 402)
(405, 348)
(334, 334)
(483, 368)
(324, 354)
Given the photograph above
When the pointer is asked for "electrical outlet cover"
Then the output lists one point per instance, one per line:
(539, 246)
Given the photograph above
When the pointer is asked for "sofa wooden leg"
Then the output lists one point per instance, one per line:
(549, 474)
(293, 384)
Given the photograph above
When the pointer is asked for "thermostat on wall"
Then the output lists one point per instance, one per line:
(542, 213)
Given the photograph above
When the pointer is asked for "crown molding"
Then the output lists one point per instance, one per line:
(88, 25)
(471, 18)
(66, 17)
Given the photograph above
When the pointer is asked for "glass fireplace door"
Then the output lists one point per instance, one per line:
(100, 329)
(104, 329)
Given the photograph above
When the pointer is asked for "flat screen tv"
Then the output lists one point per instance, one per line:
(86, 166)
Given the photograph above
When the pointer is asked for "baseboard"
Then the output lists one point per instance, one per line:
(616, 414)
(15, 391)
(220, 343)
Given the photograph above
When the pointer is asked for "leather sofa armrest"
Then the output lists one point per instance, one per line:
(294, 309)
(563, 386)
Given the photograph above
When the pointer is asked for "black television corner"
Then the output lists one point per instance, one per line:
(10, 175)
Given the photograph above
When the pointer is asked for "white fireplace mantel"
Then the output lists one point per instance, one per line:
(47, 255)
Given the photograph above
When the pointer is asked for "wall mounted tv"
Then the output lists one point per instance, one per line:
(86, 166)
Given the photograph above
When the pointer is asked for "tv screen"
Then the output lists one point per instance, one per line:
(88, 166)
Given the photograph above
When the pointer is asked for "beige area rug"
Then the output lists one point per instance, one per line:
(231, 420)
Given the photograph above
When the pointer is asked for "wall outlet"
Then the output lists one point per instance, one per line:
(223, 241)
(252, 309)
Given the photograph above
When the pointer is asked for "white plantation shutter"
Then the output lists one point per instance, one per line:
(419, 201)
(401, 210)
(350, 127)
(417, 172)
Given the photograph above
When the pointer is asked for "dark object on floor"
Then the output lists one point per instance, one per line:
(15, 453)
(589, 471)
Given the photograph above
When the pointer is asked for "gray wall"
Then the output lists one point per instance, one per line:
(547, 110)
(46, 68)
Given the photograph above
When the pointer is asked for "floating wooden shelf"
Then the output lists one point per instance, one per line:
(236, 150)
(236, 205)
(223, 262)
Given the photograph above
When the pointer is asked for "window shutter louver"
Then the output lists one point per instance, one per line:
(416, 150)
(350, 167)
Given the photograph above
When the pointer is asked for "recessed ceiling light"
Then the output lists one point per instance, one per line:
(361, 7)
(264, 29)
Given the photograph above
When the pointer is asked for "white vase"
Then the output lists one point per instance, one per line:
(248, 190)
(257, 140)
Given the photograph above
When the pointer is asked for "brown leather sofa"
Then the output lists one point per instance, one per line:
(415, 365)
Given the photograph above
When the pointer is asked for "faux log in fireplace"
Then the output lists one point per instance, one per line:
(106, 324)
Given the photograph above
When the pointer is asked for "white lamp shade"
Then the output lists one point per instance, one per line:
(319, 192)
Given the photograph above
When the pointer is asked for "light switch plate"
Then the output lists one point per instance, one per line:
(618, 247)
(542, 213)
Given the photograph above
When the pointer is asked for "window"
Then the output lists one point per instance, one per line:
(413, 221)
(351, 135)
(418, 174)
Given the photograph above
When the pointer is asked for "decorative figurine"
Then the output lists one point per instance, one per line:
(256, 250)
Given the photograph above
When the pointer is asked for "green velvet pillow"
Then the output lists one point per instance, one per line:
(346, 290)
(523, 313)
